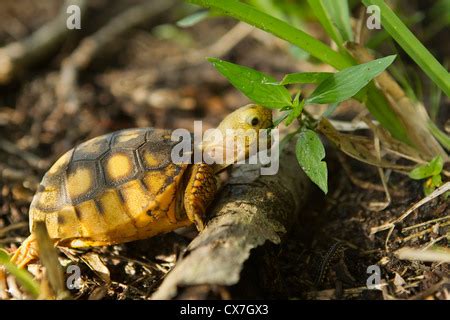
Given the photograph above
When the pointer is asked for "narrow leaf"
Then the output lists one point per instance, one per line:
(413, 47)
(310, 152)
(192, 19)
(358, 147)
(23, 276)
(340, 14)
(440, 136)
(304, 77)
(335, 19)
(254, 84)
(330, 110)
(345, 84)
(376, 102)
(246, 13)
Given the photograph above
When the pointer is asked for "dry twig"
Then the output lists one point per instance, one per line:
(391, 225)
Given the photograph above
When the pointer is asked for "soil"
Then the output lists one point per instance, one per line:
(146, 78)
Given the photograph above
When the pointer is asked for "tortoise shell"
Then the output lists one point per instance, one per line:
(115, 188)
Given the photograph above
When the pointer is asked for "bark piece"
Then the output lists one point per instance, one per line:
(251, 209)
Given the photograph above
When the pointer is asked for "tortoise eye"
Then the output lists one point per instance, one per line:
(254, 121)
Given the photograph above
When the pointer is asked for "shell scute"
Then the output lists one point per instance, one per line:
(82, 181)
(115, 188)
(130, 139)
(92, 149)
(156, 152)
(119, 167)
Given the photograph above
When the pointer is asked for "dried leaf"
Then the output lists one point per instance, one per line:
(359, 148)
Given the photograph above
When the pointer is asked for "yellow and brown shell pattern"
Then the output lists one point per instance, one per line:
(114, 188)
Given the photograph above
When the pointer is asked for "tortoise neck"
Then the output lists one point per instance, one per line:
(218, 168)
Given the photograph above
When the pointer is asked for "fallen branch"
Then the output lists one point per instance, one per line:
(16, 57)
(251, 210)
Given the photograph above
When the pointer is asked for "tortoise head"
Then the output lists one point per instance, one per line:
(248, 117)
(240, 132)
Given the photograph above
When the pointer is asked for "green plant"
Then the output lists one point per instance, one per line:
(23, 276)
(376, 103)
(352, 80)
(332, 89)
(415, 49)
(430, 171)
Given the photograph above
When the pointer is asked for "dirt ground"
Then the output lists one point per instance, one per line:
(156, 75)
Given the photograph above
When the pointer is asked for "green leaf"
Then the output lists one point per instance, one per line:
(297, 109)
(436, 180)
(431, 184)
(345, 84)
(377, 104)
(298, 53)
(440, 136)
(193, 19)
(269, 6)
(433, 168)
(427, 190)
(310, 152)
(254, 84)
(303, 77)
(23, 276)
(246, 13)
(335, 18)
(412, 46)
(340, 14)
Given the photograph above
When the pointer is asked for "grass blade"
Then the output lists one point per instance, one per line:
(413, 47)
(193, 19)
(279, 28)
(440, 136)
(335, 19)
(340, 13)
(376, 103)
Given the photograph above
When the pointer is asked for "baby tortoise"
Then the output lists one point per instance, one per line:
(123, 186)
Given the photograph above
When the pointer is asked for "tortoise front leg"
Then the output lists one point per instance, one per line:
(27, 252)
(199, 193)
